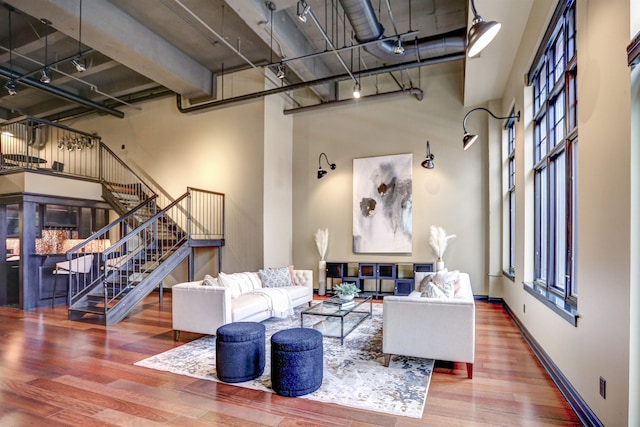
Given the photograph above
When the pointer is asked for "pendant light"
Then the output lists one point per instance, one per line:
(46, 73)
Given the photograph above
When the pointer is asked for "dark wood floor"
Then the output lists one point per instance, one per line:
(56, 372)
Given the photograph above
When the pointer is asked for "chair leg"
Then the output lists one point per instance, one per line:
(470, 370)
(55, 289)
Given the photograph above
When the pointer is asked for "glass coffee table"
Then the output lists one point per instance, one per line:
(338, 320)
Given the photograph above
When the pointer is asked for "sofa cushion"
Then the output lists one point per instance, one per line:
(298, 292)
(248, 305)
(275, 277)
(232, 282)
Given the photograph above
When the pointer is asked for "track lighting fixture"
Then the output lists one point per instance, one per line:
(356, 90)
(281, 73)
(322, 172)
(428, 162)
(302, 10)
(399, 49)
(78, 62)
(46, 74)
(481, 33)
(468, 139)
(45, 77)
(11, 87)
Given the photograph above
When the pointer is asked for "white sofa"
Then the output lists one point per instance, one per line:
(203, 309)
(431, 328)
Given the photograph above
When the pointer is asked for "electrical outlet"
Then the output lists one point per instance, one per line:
(603, 388)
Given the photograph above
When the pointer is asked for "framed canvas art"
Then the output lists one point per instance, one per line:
(382, 204)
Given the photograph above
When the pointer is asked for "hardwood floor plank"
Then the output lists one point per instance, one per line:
(57, 372)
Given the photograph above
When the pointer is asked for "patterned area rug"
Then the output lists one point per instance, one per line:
(354, 373)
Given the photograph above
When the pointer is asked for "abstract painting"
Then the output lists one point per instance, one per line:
(382, 204)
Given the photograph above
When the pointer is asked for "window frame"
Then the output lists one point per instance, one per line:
(555, 169)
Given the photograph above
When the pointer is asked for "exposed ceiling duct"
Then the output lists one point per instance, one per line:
(367, 28)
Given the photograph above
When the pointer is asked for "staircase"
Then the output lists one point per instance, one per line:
(152, 236)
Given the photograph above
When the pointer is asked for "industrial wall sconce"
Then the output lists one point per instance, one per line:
(302, 10)
(468, 139)
(428, 162)
(322, 172)
(481, 33)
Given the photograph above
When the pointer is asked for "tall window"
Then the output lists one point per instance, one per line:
(555, 156)
(511, 193)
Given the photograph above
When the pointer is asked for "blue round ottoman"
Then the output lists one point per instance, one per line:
(240, 351)
(296, 361)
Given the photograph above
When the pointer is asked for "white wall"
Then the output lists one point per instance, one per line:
(451, 195)
(599, 345)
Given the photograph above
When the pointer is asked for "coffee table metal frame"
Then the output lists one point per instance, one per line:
(349, 318)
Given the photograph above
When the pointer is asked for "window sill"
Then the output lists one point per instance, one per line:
(508, 275)
(556, 304)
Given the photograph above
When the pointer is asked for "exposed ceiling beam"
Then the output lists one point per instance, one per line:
(109, 30)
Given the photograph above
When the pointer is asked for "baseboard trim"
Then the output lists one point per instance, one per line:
(577, 403)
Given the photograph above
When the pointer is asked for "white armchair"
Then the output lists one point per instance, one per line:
(431, 328)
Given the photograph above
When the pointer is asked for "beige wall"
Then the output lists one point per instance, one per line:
(278, 227)
(634, 300)
(599, 345)
(451, 195)
(219, 151)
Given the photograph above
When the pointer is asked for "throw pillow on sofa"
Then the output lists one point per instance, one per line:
(275, 277)
(209, 281)
(431, 290)
(232, 282)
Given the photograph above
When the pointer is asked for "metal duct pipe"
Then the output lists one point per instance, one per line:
(37, 84)
(363, 73)
(366, 26)
(418, 93)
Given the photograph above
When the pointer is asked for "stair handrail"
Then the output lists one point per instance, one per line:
(78, 285)
(120, 258)
(104, 147)
(144, 225)
(108, 227)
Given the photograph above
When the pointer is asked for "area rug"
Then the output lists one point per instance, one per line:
(354, 373)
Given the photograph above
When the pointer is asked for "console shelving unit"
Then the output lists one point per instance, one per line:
(376, 278)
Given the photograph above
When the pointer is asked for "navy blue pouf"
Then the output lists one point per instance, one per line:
(240, 351)
(296, 361)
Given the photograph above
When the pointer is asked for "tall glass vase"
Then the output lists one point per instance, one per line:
(322, 277)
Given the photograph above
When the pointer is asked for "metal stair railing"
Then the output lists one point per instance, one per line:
(136, 255)
(206, 215)
(80, 284)
(118, 178)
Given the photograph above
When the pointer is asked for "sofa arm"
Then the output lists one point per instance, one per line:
(303, 277)
(200, 309)
(429, 328)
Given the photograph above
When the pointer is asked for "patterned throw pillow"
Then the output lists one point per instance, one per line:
(275, 277)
